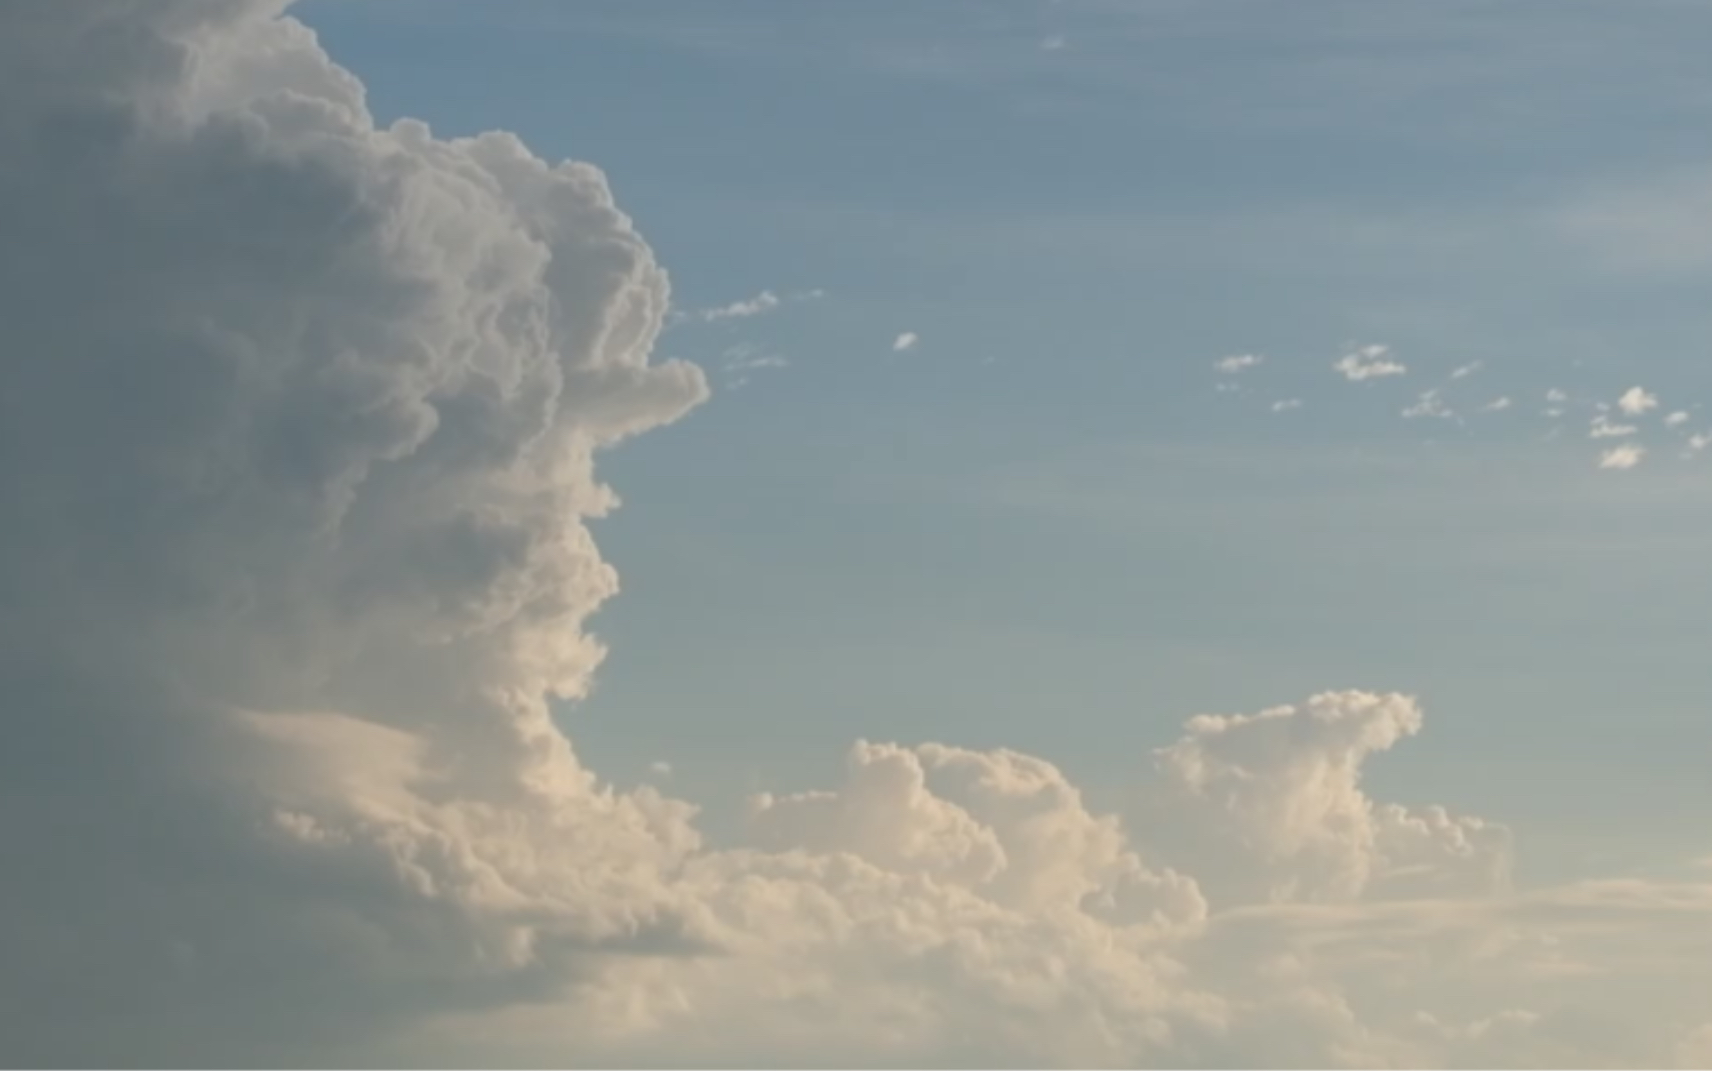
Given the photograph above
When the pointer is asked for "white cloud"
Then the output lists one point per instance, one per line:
(1676, 419)
(300, 556)
(1369, 362)
(905, 341)
(1054, 43)
(1497, 405)
(1466, 370)
(1238, 363)
(1602, 428)
(1626, 456)
(742, 361)
(1556, 396)
(765, 301)
(1284, 405)
(1699, 442)
(1636, 401)
(1430, 403)
(660, 768)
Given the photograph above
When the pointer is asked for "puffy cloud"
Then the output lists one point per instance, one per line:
(905, 341)
(1269, 807)
(1369, 362)
(1006, 825)
(1636, 401)
(1676, 419)
(298, 427)
(1626, 456)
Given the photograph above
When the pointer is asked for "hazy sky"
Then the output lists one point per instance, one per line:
(1146, 533)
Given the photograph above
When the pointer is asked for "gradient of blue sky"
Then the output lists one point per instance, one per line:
(1042, 527)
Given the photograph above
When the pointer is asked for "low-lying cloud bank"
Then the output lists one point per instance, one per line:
(297, 427)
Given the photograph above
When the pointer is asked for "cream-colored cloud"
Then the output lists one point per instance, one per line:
(1636, 401)
(1270, 808)
(1626, 456)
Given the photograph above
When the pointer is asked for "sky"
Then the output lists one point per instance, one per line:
(740, 532)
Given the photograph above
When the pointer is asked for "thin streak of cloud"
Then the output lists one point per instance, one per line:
(1430, 403)
(1240, 362)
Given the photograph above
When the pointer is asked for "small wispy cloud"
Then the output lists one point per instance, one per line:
(1602, 428)
(1626, 456)
(1240, 362)
(1556, 397)
(764, 302)
(1369, 362)
(1284, 405)
(660, 768)
(1430, 403)
(905, 341)
(1676, 419)
(1466, 370)
(743, 360)
(1053, 43)
(1699, 442)
(1636, 401)
(1497, 405)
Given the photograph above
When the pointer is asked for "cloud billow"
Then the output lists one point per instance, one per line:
(298, 427)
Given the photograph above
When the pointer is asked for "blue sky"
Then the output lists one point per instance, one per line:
(1043, 526)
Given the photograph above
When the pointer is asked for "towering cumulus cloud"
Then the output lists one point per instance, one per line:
(298, 425)
(298, 420)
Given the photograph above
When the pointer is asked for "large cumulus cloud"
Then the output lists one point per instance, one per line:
(298, 422)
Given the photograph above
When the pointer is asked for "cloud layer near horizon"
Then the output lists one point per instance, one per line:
(297, 439)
